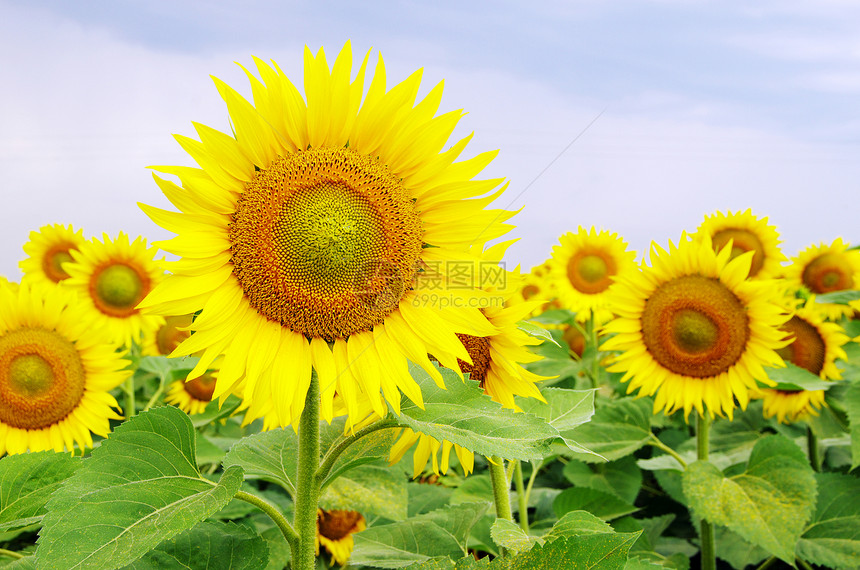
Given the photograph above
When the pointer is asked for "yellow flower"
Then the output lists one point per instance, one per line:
(192, 396)
(583, 268)
(56, 371)
(334, 532)
(47, 251)
(747, 233)
(169, 334)
(111, 278)
(825, 269)
(303, 239)
(815, 345)
(692, 329)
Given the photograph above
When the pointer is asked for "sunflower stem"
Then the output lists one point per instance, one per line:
(501, 492)
(655, 441)
(595, 364)
(706, 534)
(307, 485)
(10, 553)
(812, 447)
(343, 442)
(273, 512)
(521, 496)
(128, 388)
(767, 563)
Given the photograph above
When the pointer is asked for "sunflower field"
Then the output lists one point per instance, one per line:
(331, 366)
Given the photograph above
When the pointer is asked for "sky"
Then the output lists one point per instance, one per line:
(635, 116)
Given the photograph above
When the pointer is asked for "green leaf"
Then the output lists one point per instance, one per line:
(738, 552)
(370, 490)
(794, 377)
(140, 487)
(617, 429)
(215, 412)
(598, 503)
(508, 534)
(577, 523)
(165, 368)
(209, 545)
(604, 551)
(371, 448)
(838, 297)
(564, 410)
(464, 415)
(768, 504)
(473, 489)
(555, 317)
(852, 408)
(621, 478)
(535, 330)
(27, 482)
(424, 498)
(438, 533)
(832, 538)
(270, 455)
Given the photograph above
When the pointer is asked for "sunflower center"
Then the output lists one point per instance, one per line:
(335, 525)
(695, 326)
(478, 348)
(828, 272)
(575, 339)
(116, 289)
(53, 260)
(171, 333)
(201, 388)
(807, 350)
(42, 378)
(591, 272)
(742, 242)
(325, 242)
(530, 291)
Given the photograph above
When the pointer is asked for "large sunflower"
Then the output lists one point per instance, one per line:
(692, 329)
(304, 237)
(583, 268)
(111, 278)
(825, 269)
(747, 233)
(47, 251)
(815, 345)
(56, 371)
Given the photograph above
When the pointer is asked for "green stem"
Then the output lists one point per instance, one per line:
(501, 492)
(767, 563)
(706, 534)
(156, 395)
(595, 364)
(10, 553)
(128, 388)
(812, 447)
(655, 441)
(804, 564)
(307, 486)
(532, 477)
(274, 514)
(340, 445)
(521, 496)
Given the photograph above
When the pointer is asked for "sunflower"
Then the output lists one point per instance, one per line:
(163, 340)
(192, 396)
(583, 268)
(824, 269)
(47, 251)
(693, 327)
(815, 345)
(318, 234)
(334, 531)
(747, 233)
(56, 371)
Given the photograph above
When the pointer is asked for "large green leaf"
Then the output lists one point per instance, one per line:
(617, 429)
(370, 490)
(832, 538)
(768, 504)
(271, 455)
(852, 407)
(599, 551)
(209, 545)
(27, 482)
(438, 533)
(598, 503)
(577, 523)
(508, 534)
(621, 478)
(140, 487)
(838, 297)
(464, 415)
(564, 410)
(792, 377)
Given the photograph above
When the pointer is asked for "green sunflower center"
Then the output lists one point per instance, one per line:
(828, 272)
(53, 260)
(591, 272)
(807, 350)
(742, 242)
(334, 525)
(42, 378)
(695, 326)
(117, 288)
(478, 348)
(325, 242)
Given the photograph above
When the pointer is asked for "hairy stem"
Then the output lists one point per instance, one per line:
(274, 514)
(708, 549)
(812, 447)
(307, 485)
(655, 441)
(501, 491)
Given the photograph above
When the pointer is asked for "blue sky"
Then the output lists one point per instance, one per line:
(687, 106)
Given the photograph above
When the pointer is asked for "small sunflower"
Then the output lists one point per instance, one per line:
(56, 371)
(815, 345)
(192, 396)
(692, 329)
(334, 532)
(583, 268)
(747, 233)
(170, 333)
(47, 251)
(825, 269)
(112, 277)
(318, 234)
